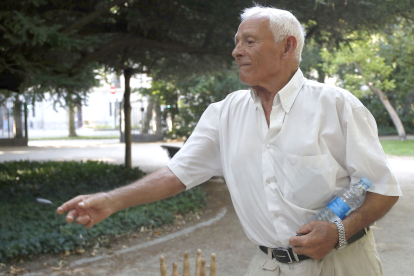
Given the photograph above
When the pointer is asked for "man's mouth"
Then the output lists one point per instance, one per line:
(241, 65)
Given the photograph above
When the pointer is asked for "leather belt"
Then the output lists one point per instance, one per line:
(286, 255)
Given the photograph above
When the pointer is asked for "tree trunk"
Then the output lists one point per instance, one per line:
(17, 117)
(80, 121)
(148, 115)
(127, 119)
(321, 75)
(158, 117)
(72, 128)
(390, 109)
(26, 133)
(393, 114)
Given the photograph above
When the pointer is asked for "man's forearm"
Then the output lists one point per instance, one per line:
(158, 185)
(374, 207)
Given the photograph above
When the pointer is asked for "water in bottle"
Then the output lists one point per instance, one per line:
(344, 204)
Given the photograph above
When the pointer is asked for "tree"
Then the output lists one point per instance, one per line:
(158, 38)
(399, 52)
(186, 101)
(361, 63)
(39, 42)
(37, 54)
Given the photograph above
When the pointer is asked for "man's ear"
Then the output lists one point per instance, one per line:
(290, 44)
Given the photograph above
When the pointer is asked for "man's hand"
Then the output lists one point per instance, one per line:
(87, 209)
(91, 209)
(319, 239)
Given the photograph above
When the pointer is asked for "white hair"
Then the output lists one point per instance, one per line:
(282, 24)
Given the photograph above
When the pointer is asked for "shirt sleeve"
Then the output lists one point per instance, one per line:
(364, 154)
(199, 159)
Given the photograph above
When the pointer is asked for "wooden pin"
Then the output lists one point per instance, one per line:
(213, 265)
(163, 268)
(198, 263)
(203, 268)
(186, 271)
(175, 272)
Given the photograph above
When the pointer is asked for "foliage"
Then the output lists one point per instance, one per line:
(186, 101)
(53, 41)
(312, 62)
(396, 147)
(363, 52)
(198, 94)
(28, 228)
(400, 53)
(37, 55)
(384, 60)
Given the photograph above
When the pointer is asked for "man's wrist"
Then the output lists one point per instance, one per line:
(112, 202)
(342, 243)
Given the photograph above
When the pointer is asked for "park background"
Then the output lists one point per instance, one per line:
(144, 71)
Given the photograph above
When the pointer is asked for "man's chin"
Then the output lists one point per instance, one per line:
(244, 80)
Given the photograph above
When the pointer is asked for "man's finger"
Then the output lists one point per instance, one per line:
(71, 215)
(296, 241)
(91, 201)
(89, 224)
(69, 205)
(304, 229)
(299, 250)
(83, 220)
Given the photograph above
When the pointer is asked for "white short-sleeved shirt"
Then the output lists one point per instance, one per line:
(321, 139)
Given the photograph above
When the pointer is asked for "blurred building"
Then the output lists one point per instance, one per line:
(100, 116)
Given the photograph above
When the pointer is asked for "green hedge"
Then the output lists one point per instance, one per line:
(28, 228)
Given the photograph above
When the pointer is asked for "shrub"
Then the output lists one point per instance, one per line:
(28, 228)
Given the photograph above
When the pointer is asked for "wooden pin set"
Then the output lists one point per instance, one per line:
(200, 266)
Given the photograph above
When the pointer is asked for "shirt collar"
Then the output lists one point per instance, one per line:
(287, 94)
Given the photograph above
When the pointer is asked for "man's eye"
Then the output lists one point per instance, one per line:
(250, 41)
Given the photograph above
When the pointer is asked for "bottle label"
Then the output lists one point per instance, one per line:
(339, 207)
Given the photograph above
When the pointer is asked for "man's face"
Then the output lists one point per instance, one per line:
(256, 52)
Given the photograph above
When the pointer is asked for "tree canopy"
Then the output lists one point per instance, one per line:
(55, 45)
(52, 41)
(382, 63)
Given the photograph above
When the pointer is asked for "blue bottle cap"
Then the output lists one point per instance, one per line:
(365, 182)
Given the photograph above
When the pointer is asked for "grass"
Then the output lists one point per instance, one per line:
(75, 138)
(396, 147)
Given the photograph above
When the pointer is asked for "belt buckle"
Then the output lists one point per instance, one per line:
(294, 255)
(290, 258)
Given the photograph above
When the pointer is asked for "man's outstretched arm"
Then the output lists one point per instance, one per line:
(91, 209)
(321, 236)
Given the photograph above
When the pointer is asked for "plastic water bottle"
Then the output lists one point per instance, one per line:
(344, 204)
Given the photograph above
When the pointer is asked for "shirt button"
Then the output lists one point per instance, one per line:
(275, 215)
(268, 146)
(267, 181)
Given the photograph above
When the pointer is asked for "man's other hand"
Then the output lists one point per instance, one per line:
(87, 209)
(319, 238)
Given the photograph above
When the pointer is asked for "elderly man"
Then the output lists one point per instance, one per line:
(286, 147)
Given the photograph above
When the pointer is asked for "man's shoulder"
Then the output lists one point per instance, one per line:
(239, 95)
(235, 97)
(332, 92)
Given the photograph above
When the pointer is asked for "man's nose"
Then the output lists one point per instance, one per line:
(238, 51)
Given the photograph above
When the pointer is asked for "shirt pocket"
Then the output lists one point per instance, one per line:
(308, 180)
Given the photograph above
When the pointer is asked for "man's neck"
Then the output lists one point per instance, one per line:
(267, 95)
